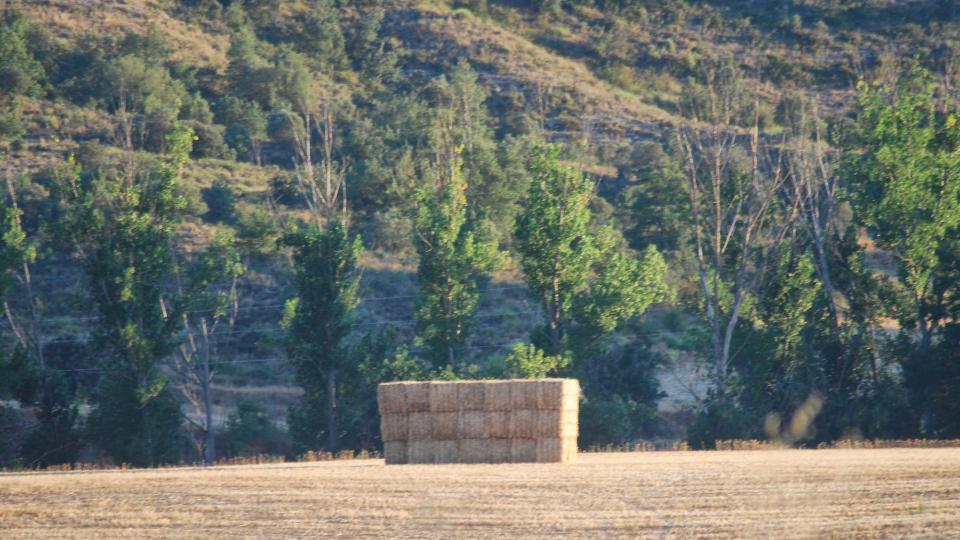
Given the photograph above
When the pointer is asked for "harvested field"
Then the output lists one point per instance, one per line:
(848, 493)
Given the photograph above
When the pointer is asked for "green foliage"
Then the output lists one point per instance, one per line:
(126, 230)
(20, 74)
(318, 323)
(452, 260)
(611, 420)
(527, 361)
(221, 201)
(250, 431)
(904, 170)
(559, 254)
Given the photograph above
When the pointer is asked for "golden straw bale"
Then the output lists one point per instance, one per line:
(395, 452)
(394, 427)
(471, 395)
(569, 449)
(472, 425)
(523, 450)
(445, 426)
(558, 394)
(474, 451)
(443, 396)
(420, 426)
(391, 398)
(523, 394)
(550, 450)
(498, 424)
(446, 451)
(523, 424)
(497, 396)
(499, 450)
(556, 424)
(418, 396)
(571, 395)
(420, 451)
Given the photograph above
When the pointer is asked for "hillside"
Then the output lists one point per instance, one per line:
(406, 83)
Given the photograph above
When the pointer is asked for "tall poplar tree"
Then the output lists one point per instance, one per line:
(586, 285)
(129, 226)
(452, 260)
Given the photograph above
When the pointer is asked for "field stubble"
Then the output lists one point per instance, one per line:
(793, 493)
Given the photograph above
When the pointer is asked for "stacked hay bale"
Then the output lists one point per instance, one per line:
(515, 421)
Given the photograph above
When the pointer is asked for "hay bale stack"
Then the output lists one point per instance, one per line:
(394, 427)
(443, 397)
(472, 395)
(446, 451)
(417, 396)
(497, 396)
(391, 398)
(420, 426)
(420, 451)
(473, 425)
(480, 421)
(395, 452)
(445, 426)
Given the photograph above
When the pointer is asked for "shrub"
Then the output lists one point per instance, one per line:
(221, 202)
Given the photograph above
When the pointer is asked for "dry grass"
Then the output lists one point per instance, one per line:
(793, 493)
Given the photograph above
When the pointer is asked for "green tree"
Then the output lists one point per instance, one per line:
(452, 260)
(529, 362)
(587, 287)
(20, 74)
(317, 324)
(904, 174)
(126, 255)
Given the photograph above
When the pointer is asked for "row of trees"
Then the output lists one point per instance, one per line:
(770, 247)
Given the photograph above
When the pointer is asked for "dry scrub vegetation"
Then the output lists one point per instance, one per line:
(793, 493)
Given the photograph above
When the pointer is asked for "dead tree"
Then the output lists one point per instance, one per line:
(738, 215)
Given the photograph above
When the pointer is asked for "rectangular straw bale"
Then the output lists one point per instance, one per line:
(498, 424)
(472, 425)
(523, 424)
(394, 427)
(418, 396)
(471, 395)
(558, 394)
(420, 452)
(446, 451)
(555, 450)
(391, 398)
(497, 396)
(443, 396)
(475, 451)
(420, 426)
(570, 449)
(523, 394)
(395, 452)
(445, 426)
(499, 450)
(523, 450)
(556, 424)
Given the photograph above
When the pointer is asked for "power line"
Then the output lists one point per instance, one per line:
(263, 307)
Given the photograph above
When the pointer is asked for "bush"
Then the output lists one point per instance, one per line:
(221, 202)
(210, 143)
(250, 432)
(615, 420)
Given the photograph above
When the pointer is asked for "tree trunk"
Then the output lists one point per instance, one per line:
(332, 410)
